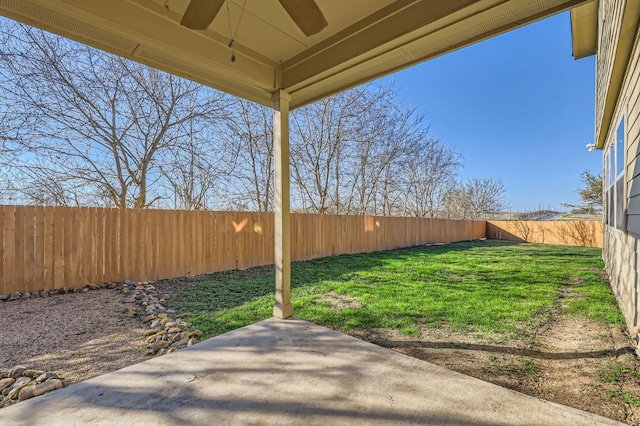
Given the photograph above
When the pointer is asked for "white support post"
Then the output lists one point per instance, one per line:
(282, 240)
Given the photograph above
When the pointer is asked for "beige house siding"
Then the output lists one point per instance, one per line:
(621, 248)
(621, 257)
(631, 101)
(609, 24)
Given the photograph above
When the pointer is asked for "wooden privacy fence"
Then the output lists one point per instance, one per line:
(55, 247)
(569, 232)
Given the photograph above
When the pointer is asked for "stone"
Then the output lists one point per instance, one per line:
(4, 296)
(172, 350)
(191, 342)
(161, 352)
(184, 315)
(26, 295)
(167, 296)
(32, 373)
(48, 386)
(149, 332)
(156, 323)
(151, 339)
(15, 295)
(63, 290)
(195, 333)
(129, 310)
(170, 324)
(151, 288)
(46, 376)
(17, 385)
(44, 293)
(85, 289)
(92, 286)
(16, 371)
(5, 383)
(35, 294)
(174, 330)
(162, 344)
(149, 318)
(171, 311)
(129, 283)
(180, 343)
(111, 286)
(77, 289)
(125, 290)
(26, 393)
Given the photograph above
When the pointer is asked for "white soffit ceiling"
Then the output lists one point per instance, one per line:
(365, 39)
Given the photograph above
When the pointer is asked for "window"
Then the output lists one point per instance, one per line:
(615, 212)
(609, 180)
(620, 150)
(621, 213)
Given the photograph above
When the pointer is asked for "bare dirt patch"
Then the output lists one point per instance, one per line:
(578, 363)
(340, 301)
(78, 335)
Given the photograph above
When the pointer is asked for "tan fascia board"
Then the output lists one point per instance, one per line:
(624, 48)
(332, 82)
(584, 30)
(378, 29)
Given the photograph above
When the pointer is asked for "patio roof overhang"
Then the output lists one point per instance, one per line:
(365, 39)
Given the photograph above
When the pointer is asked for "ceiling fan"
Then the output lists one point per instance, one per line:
(305, 13)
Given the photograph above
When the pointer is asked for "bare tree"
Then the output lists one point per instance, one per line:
(430, 174)
(249, 141)
(320, 134)
(348, 151)
(95, 121)
(475, 199)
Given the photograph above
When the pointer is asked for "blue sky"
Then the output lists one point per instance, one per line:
(517, 107)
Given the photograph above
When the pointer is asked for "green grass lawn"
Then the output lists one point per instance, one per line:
(481, 286)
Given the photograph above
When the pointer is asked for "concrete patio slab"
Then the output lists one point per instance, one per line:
(288, 372)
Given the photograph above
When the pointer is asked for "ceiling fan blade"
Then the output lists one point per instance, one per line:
(306, 14)
(200, 13)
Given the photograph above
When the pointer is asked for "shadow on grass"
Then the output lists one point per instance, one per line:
(223, 290)
(487, 286)
(510, 350)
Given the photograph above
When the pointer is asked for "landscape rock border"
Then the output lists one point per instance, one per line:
(165, 333)
(20, 383)
(16, 295)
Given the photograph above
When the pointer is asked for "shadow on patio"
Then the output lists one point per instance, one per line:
(288, 372)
